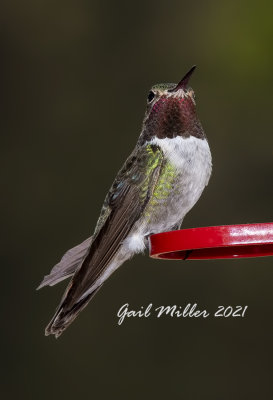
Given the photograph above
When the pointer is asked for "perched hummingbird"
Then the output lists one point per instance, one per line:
(158, 184)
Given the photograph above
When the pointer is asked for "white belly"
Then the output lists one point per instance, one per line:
(191, 158)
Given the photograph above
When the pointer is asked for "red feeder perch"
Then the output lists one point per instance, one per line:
(214, 242)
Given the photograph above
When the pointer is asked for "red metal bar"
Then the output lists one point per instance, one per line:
(214, 242)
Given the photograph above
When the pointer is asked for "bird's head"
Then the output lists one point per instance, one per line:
(171, 111)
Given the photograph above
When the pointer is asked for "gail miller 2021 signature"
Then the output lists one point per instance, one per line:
(188, 311)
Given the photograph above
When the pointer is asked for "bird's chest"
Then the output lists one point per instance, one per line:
(182, 179)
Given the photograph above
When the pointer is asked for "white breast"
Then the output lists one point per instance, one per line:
(187, 153)
(192, 159)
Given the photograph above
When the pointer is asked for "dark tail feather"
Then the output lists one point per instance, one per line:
(71, 260)
(64, 317)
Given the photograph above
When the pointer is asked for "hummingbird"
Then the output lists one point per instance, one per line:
(158, 184)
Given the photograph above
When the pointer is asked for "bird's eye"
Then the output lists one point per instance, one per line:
(151, 95)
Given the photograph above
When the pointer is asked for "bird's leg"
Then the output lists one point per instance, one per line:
(187, 254)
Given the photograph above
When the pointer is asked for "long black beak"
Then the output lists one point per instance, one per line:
(184, 81)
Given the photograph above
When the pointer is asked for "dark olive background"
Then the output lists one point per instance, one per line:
(75, 79)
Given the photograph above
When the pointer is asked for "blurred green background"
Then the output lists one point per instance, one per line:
(76, 76)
